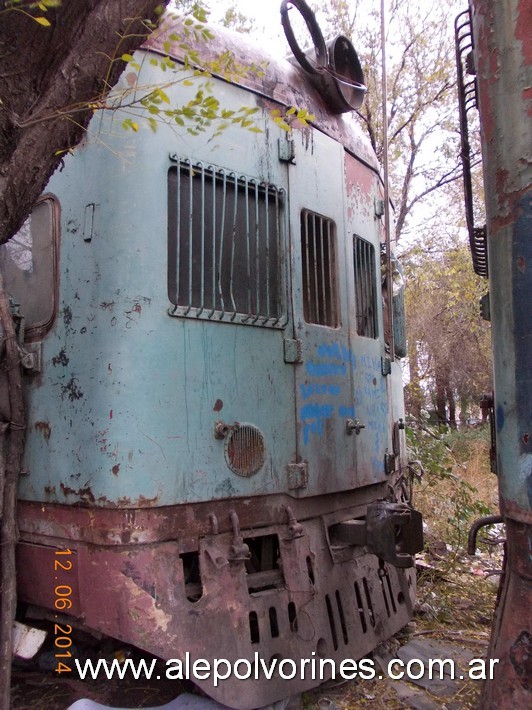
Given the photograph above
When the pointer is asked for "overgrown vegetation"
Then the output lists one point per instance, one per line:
(457, 486)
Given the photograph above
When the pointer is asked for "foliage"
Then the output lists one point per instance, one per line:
(448, 495)
(34, 10)
(237, 21)
(449, 343)
(422, 112)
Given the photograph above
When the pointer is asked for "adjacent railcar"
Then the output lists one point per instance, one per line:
(494, 57)
(214, 396)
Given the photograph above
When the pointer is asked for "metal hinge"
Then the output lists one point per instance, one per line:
(297, 475)
(292, 351)
(287, 151)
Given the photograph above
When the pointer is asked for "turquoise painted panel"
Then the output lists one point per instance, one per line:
(126, 408)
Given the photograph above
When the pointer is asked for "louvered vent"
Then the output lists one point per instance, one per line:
(245, 450)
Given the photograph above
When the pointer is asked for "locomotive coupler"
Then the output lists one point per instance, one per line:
(238, 551)
(295, 529)
(391, 531)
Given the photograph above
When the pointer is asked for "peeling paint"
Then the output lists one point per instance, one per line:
(72, 390)
(85, 494)
(67, 315)
(60, 359)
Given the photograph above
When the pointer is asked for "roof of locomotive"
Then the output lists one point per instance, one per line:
(282, 82)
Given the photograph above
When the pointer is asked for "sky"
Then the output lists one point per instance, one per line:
(267, 18)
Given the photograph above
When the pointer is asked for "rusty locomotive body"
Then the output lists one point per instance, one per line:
(213, 385)
(494, 59)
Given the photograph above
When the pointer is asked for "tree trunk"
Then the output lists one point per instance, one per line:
(12, 447)
(441, 399)
(48, 78)
(51, 80)
(452, 408)
(413, 391)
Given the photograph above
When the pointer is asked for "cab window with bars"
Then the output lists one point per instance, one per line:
(225, 246)
(365, 288)
(318, 255)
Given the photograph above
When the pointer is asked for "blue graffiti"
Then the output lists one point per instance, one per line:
(319, 389)
(325, 369)
(337, 360)
(346, 411)
(317, 411)
(336, 351)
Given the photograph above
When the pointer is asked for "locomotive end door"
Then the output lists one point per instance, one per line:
(371, 367)
(323, 376)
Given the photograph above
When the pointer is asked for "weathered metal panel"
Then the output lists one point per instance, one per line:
(282, 84)
(126, 389)
(324, 391)
(372, 388)
(325, 601)
(503, 65)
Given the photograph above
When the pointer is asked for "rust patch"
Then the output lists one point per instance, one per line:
(521, 264)
(116, 469)
(501, 187)
(60, 359)
(44, 428)
(101, 438)
(526, 438)
(522, 30)
(85, 493)
(511, 209)
(137, 308)
(218, 405)
(526, 95)
(111, 414)
(141, 501)
(521, 659)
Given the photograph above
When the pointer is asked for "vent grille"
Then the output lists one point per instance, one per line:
(245, 450)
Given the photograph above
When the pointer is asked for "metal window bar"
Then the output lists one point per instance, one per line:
(225, 246)
(233, 243)
(365, 287)
(318, 269)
